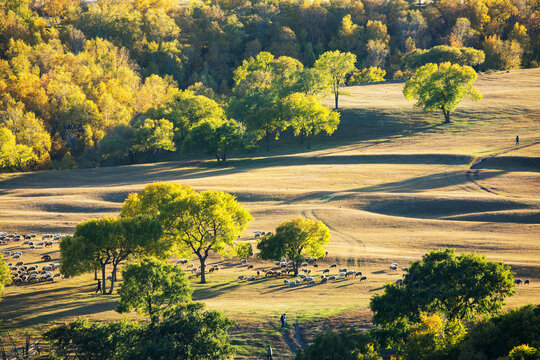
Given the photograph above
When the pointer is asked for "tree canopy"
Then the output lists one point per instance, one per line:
(458, 286)
(442, 87)
(152, 286)
(336, 65)
(294, 240)
(5, 275)
(194, 222)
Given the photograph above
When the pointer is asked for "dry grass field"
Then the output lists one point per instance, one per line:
(392, 183)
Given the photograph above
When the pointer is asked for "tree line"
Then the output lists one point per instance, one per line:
(95, 84)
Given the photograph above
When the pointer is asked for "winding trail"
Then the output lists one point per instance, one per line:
(296, 343)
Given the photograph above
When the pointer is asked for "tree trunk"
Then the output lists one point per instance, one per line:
(113, 278)
(203, 268)
(103, 292)
(302, 137)
(446, 116)
(308, 142)
(95, 274)
(267, 140)
(336, 94)
(295, 268)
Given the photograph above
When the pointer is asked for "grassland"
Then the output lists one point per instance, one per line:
(392, 183)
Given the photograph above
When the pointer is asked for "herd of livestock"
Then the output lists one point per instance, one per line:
(22, 272)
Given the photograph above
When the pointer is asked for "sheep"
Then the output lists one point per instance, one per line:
(190, 266)
(17, 281)
(6, 252)
(240, 278)
(311, 283)
(16, 256)
(393, 266)
(324, 280)
(46, 258)
(304, 264)
(358, 273)
(405, 268)
(363, 278)
(350, 273)
(308, 279)
(109, 277)
(283, 265)
(32, 235)
(302, 276)
(32, 247)
(25, 242)
(398, 281)
(211, 270)
(19, 263)
(333, 266)
(182, 262)
(315, 265)
(251, 278)
(276, 263)
(13, 268)
(332, 278)
(47, 268)
(48, 243)
(343, 270)
(56, 275)
(326, 271)
(518, 281)
(30, 243)
(250, 266)
(243, 261)
(198, 273)
(292, 284)
(46, 236)
(286, 282)
(308, 271)
(342, 274)
(526, 282)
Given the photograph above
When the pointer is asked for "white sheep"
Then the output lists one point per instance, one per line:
(302, 276)
(240, 278)
(332, 278)
(311, 283)
(350, 273)
(243, 261)
(251, 278)
(342, 275)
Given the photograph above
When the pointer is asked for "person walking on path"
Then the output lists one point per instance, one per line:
(517, 140)
(269, 353)
(283, 317)
(98, 289)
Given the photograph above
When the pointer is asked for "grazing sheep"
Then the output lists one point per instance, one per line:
(56, 275)
(198, 272)
(46, 258)
(276, 263)
(323, 276)
(326, 271)
(33, 235)
(304, 264)
(363, 278)
(333, 266)
(315, 265)
(250, 266)
(41, 243)
(286, 282)
(393, 266)
(243, 261)
(332, 278)
(398, 281)
(19, 263)
(25, 242)
(46, 236)
(6, 252)
(358, 273)
(48, 243)
(405, 268)
(32, 247)
(518, 281)
(302, 276)
(350, 273)
(109, 277)
(47, 268)
(240, 278)
(211, 270)
(308, 279)
(16, 256)
(311, 283)
(343, 270)
(342, 274)
(324, 280)
(292, 284)
(526, 282)
(17, 281)
(251, 278)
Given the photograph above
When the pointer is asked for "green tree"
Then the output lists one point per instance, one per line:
(295, 239)
(5, 275)
(104, 241)
(494, 338)
(350, 344)
(13, 156)
(442, 87)
(218, 137)
(524, 352)
(458, 286)
(367, 75)
(308, 117)
(243, 250)
(336, 66)
(432, 338)
(153, 136)
(196, 223)
(152, 286)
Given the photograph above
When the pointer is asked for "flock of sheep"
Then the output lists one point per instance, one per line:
(27, 273)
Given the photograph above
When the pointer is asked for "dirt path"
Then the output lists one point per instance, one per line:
(296, 343)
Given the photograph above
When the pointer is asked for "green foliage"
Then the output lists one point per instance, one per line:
(458, 286)
(295, 239)
(5, 275)
(345, 345)
(194, 223)
(443, 53)
(243, 250)
(185, 332)
(442, 87)
(502, 55)
(432, 338)
(218, 137)
(494, 338)
(367, 75)
(153, 136)
(524, 352)
(104, 241)
(336, 65)
(151, 286)
(308, 117)
(13, 156)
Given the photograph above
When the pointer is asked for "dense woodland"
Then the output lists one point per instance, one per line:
(114, 81)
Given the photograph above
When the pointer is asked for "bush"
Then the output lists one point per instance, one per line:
(367, 75)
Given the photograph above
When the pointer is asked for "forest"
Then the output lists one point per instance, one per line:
(108, 82)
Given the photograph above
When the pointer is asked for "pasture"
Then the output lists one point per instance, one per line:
(392, 183)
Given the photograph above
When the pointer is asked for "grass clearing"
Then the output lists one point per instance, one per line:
(391, 184)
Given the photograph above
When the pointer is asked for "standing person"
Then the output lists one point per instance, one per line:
(283, 317)
(98, 289)
(269, 353)
(517, 140)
